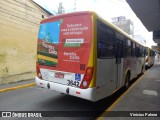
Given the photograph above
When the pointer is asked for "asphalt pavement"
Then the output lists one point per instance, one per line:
(142, 97)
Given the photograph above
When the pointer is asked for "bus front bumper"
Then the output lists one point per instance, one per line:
(88, 93)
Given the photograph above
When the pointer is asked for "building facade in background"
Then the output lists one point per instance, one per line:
(127, 26)
(19, 23)
(124, 24)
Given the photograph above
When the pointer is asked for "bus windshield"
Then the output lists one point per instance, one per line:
(64, 43)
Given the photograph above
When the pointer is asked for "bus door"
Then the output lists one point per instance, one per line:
(119, 53)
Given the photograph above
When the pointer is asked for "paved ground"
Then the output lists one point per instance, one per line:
(38, 99)
(14, 84)
(144, 96)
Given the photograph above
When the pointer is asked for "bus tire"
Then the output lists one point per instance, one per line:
(127, 81)
(146, 67)
(142, 70)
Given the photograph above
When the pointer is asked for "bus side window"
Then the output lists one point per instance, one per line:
(101, 30)
(133, 49)
(137, 50)
(142, 51)
(110, 43)
(152, 53)
(128, 48)
(145, 51)
(105, 41)
(119, 45)
(101, 49)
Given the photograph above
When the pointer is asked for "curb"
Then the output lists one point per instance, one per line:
(104, 114)
(17, 87)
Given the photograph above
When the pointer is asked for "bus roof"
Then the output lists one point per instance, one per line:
(49, 19)
(65, 15)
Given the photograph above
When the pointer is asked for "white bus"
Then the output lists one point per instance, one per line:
(150, 57)
(83, 55)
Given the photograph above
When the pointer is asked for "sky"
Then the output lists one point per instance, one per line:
(107, 9)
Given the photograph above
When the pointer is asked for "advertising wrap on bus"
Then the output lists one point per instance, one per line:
(64, 46)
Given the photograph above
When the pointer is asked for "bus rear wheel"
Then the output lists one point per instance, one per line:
(142, 70)
(127, 81)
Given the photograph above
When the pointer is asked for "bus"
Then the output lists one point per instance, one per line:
(150, 57)
(80, 54)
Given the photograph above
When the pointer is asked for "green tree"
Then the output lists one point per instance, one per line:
(61, 9)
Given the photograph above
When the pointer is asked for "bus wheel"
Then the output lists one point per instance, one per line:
(142, 70)
(127, 81)
(146, 67)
